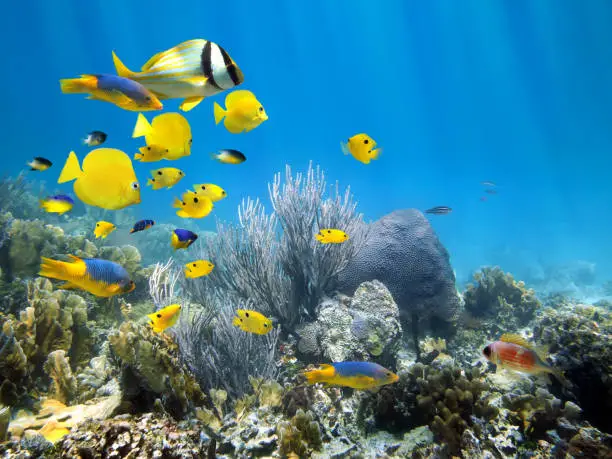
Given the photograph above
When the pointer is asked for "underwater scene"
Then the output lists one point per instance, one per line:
(324, 229)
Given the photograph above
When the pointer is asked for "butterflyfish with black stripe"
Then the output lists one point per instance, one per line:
(191, 70)
(99, 277)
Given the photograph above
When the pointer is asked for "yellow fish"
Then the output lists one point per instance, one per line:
(362, 147)
(192, 70)
(151, 153)
(164, 318)
(168, 130)
(252, 322)
(166, 177)
(59, 204)
(193, 206)
(331, 236)
(99, 277)
(198, 268)
(107, 179)
(243, 112)
(358, 375)
(53, 431)
(103, 229)
(182, 238)
(214, 192)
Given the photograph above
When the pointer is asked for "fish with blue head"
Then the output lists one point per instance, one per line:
(182, 238)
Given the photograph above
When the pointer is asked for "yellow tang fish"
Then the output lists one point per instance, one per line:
(122, 92)
(362, 147)
(164, 318)
(107, 179)
(151, 153)
(243, 112)
(198, 268)
(331, 236)
(252, 322)
(103, 229)
(53, 431)
(193, 206)
(99, 277)
(166, 177)
(358, 375)
(214, 192)
(192, 70)
(59, 204)
(168, 130)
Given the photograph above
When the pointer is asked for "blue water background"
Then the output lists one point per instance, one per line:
(455, 92)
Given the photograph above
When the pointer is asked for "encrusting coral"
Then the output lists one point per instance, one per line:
(299, 436)
(498, 297)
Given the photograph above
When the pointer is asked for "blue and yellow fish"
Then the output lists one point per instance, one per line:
(191, 70)
(142, 225)
(99, 277)
(358, 375)
(122, 92)
(182, 238)
(58, 204)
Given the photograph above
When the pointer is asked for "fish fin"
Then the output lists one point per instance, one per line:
(345, 148)
(374, 154)
(84, 84)
(177, 203)
(121, 69)
(53, 431)
(142, 127)
(55, 269)
(233, 126)
(236, 96)
(67, 286)
(190, 103)
(516, 339)
(151, 62)
(72, 169)
(219, 113)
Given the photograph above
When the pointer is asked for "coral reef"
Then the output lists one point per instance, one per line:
(496, 296)
(64, 384)
(365, 327)
(403, 252)
(299, 436)
(151, 369)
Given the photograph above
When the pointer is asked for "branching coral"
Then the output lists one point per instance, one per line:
(64, 384)
(151, 368)
(497, 295)
(162, 283)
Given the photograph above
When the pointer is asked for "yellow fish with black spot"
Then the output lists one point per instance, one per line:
(198, 268)
(164, 318)
(214, 192)
(166, 177)
(151, 153)
(103, 229)
(358, 375)
(169, 131)
(99, 277)
(331, 236)
(252, 322)
(107, 179)
(243, 112)
(362, 147)
(193, 206)
(191, 70)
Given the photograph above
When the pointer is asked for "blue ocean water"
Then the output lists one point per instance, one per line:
(517, 92)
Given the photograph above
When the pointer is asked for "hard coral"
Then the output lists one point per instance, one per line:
(299, 436)
(496, 295)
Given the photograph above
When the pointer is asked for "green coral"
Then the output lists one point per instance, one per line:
(496, 295)
(299, 436)
(150, 360)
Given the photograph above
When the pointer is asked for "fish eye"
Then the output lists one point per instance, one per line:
(135, 185)
(203, 187)
(97, 224)
(190, 141)
(167, 150)
(344, 235)
(180, 172)
(195, 200)
(149, 148)
(147, 98)
(266, 325)
(366, 141)
(184, 203)
(194, 265)
(329, 231)
(159, 172)
(223, 193)
(260, 108)
(246, 314)
(159, 316)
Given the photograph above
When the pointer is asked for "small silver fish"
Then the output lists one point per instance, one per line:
(95, 138)
(439, 210)
(229, 157)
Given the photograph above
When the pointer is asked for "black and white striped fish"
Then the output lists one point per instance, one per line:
(192, 70)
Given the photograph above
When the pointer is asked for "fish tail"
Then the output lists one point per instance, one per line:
(374, 154)
(132, 231)
(150, 182)
(219, 113)
(142, 128)
(138, 156)
(177, 203)
(72, 169)
(54, 269)
(121, 69)
(84, 84)
(313, 376)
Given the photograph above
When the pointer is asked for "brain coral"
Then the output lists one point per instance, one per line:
(403, 252)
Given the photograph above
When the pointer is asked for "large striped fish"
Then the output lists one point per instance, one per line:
(193, 70)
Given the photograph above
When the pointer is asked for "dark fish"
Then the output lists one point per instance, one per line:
(40, 164)
(182, 238)
(95, 138)
(439, 210)
(62, 198)
(142, 225)
(486, 183)
(491, 191)
(229, 157)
